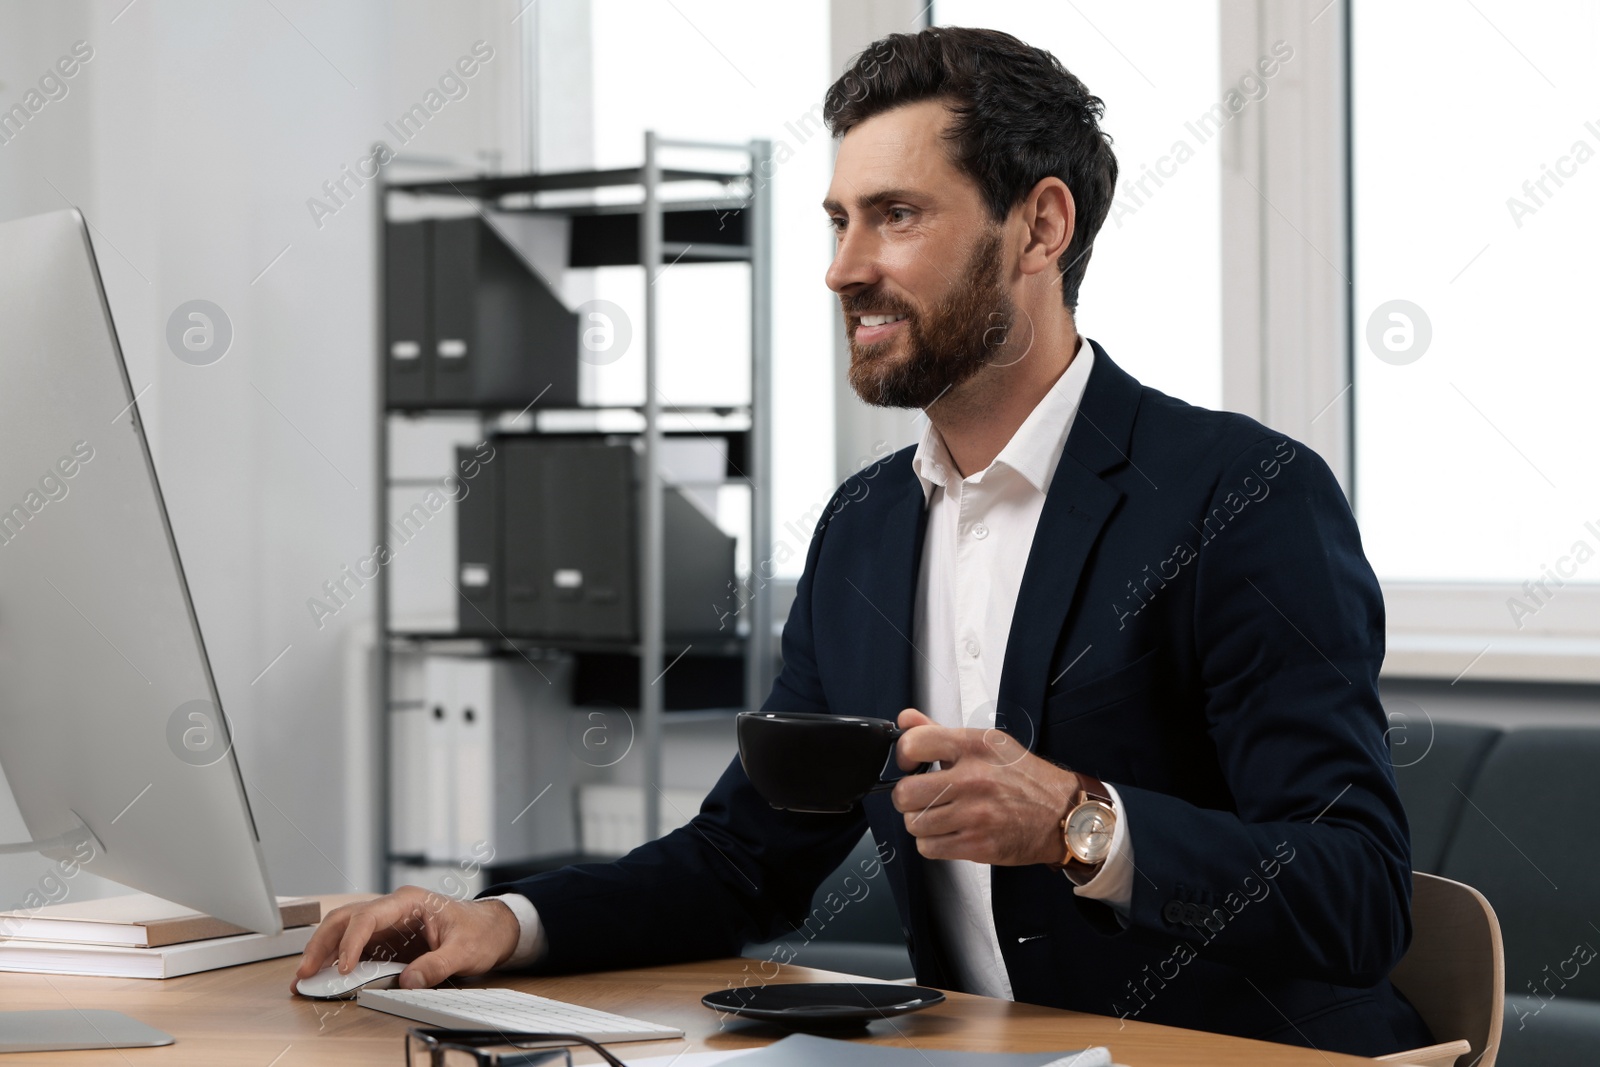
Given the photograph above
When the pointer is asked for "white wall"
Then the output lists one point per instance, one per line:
(192, 140)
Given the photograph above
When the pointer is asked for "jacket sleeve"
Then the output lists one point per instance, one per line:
(739, 872)
(1310, 875)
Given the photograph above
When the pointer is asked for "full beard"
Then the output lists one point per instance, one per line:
(953, 342)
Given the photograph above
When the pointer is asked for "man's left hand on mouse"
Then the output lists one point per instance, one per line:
(990, 800)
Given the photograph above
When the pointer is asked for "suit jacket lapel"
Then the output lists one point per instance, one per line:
(889, 583)
(1076, 508)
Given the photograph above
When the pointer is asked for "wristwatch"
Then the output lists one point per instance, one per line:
(1087, 829)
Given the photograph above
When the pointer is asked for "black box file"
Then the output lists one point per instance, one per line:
(471, 324)
(406, 333)
(548, 547)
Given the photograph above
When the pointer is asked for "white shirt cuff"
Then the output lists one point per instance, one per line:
(1113, 884)
(532, 943)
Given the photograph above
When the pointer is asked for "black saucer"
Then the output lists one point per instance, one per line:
(822, 1007)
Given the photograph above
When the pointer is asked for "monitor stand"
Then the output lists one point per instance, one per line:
(56, 1031)
(48, 846)
(71, 1028)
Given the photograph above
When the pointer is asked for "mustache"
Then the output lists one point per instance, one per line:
(874, 303)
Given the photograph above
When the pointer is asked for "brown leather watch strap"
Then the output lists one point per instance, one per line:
(1091, 788)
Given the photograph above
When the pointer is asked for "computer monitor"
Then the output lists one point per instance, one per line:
(111, 730)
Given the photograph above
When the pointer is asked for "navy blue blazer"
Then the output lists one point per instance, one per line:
(1198, 626)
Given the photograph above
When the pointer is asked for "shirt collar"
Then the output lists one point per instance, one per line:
(1034, 450)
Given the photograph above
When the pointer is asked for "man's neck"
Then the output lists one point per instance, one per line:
(977, 418)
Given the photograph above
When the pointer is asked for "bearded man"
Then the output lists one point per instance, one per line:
(1137, 640)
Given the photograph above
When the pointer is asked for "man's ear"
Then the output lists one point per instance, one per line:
(1049, 216)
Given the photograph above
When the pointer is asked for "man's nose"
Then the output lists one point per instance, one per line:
(854, 263)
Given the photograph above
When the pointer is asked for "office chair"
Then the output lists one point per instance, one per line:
(1454, 974)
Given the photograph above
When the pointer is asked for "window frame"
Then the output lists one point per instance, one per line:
(1288, 338)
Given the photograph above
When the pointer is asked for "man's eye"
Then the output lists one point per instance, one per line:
(899, 214)
(835, 225)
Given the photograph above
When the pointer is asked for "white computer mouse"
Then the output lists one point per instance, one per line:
(328, 983)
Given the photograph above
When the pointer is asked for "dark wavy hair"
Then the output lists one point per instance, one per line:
(1020, 117)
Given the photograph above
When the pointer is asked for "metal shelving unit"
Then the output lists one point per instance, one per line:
(653, 231)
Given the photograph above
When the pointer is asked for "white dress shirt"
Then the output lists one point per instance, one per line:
(980, 530)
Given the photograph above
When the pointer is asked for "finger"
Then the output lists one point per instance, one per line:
(925, 744)
(429, 969)
(935, 820)
(916, 794)
(908, 720)
(324, 941)
(354, 941)
(943, 847)
(912, 717)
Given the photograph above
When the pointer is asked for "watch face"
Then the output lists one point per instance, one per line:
(1089, 830)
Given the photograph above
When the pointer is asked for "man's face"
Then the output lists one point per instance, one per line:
(918, 265)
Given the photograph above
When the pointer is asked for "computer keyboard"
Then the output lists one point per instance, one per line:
(508, 1009)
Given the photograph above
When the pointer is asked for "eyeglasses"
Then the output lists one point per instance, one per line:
(473, 1048)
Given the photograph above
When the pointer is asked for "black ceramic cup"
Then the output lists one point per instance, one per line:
(801, 761)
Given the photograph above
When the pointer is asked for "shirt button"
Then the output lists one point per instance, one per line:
(979, 530)
(972, 648)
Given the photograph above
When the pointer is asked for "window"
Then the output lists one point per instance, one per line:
(1476, 196)
(714, 70)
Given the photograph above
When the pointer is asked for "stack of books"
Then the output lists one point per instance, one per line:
(142, 936)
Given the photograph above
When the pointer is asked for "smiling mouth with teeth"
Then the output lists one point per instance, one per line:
(879, 320)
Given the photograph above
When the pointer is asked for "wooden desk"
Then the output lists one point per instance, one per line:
(246, 1017)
